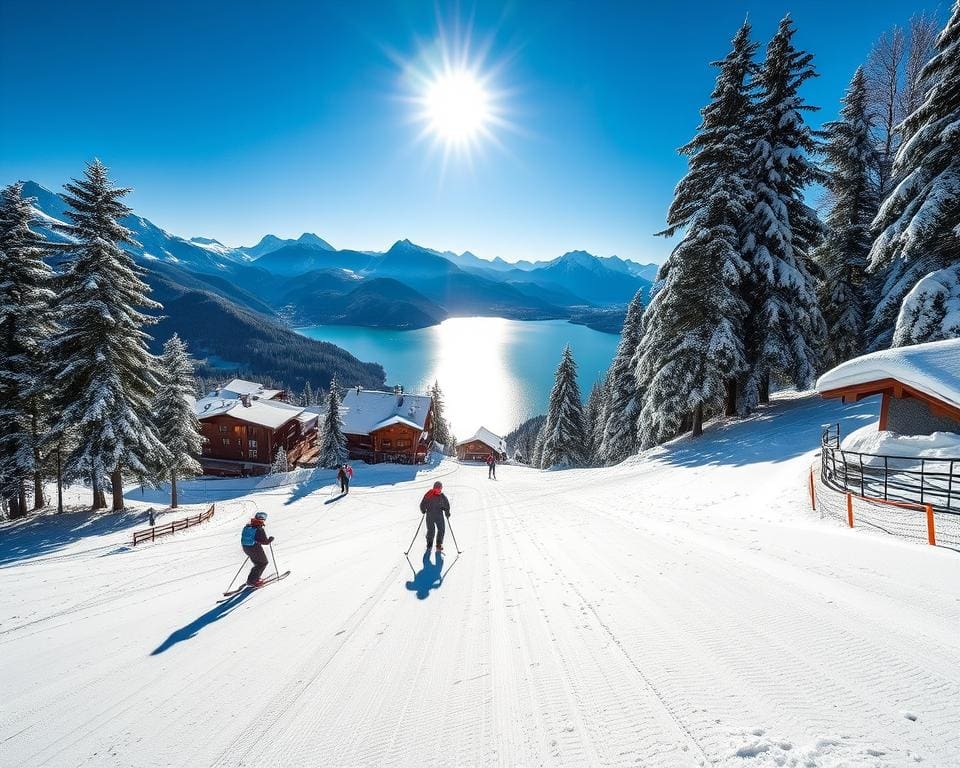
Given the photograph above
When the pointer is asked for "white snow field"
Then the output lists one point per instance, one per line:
(683, 609)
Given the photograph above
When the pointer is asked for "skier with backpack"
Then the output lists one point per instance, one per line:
(435, 505)
(252, 539)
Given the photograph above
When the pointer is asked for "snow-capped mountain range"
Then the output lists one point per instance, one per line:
(299, 278)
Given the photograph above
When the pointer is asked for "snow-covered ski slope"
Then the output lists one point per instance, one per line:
(682, 609)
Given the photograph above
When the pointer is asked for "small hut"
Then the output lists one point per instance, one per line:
(919, 386)
(480, 445)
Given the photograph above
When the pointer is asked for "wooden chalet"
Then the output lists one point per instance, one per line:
(387, 426)
(919, 386)
(243, 427)
(480, 445)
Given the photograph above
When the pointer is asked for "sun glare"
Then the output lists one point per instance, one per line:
(457, 106)
(452, 85)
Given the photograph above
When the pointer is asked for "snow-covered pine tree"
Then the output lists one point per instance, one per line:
(564, 432)
(691, 352)
(281, 463)
(308, 396)
(850, 154)
(107, 379)
(785, 328)
(441, 427)
(176, 422)
(333, 444)
(593, 416)
(618, 431)
(918, 222)
(26, 326)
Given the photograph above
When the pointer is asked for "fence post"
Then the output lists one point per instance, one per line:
(885, 473)
(950, 484)
(813, 498)
(931, 532)
(862, 491)
(921, 480)
(850, 509)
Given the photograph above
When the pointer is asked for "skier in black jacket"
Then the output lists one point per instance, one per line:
(435, 505)
(252, 539)
(344, 479)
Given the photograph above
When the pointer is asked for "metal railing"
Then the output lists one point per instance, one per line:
(933, 481)
(152, 533)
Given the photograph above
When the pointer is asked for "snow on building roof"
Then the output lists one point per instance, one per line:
(392, 420)
(487, 437)
(365, 410)
(263, 413)
(933, 369)
(239, 387)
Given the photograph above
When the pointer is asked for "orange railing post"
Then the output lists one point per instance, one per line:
(850, 509)
(813, 498)
(931, 532)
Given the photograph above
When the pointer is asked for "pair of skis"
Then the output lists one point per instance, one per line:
(266, 581)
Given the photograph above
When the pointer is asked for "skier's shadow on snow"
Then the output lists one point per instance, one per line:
(214, 614)
(334, 498)
(429, 577)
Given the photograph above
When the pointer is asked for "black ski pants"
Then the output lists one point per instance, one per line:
(259, 559)
(435, 524)
(344, 485)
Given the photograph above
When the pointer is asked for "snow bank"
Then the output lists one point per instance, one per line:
(932, 368)
(868, 439)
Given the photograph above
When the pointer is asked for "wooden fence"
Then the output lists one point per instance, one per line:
(154, 532)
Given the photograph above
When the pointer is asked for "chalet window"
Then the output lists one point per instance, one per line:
(224, 428)
(252, 444)
(385, 443)
(252, 454)
(226, 441)
(404, 443)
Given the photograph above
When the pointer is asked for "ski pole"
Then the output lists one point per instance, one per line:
(415, 535)
(274, 560)
(454, 537)
(237, 574)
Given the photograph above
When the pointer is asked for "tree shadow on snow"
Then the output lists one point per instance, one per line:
(214, 614)
(780, 431)
(40, 535)
(430, 576)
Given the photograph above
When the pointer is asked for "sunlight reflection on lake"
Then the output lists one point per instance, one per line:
(493, 372)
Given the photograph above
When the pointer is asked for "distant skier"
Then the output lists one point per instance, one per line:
(491, 467)
(252, 539)
(435, 505)
(344, 477)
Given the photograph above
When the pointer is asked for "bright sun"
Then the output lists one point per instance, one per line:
(457, 107)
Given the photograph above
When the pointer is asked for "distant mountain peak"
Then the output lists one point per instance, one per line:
(309, 238)
(205, 241)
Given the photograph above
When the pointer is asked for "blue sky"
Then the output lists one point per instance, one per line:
(234, 119)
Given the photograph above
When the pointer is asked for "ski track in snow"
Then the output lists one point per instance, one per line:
(683, 609)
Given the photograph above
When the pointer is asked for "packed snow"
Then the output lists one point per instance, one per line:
(684, 608)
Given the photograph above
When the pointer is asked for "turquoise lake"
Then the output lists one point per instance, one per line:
(493, 372)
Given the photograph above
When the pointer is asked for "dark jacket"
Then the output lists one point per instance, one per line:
(342, 476)
(434, 504)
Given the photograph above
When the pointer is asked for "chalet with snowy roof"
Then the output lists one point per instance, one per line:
(387, 426)
(482, 444)
(240, 387)
(919, 386)
(243, 424)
